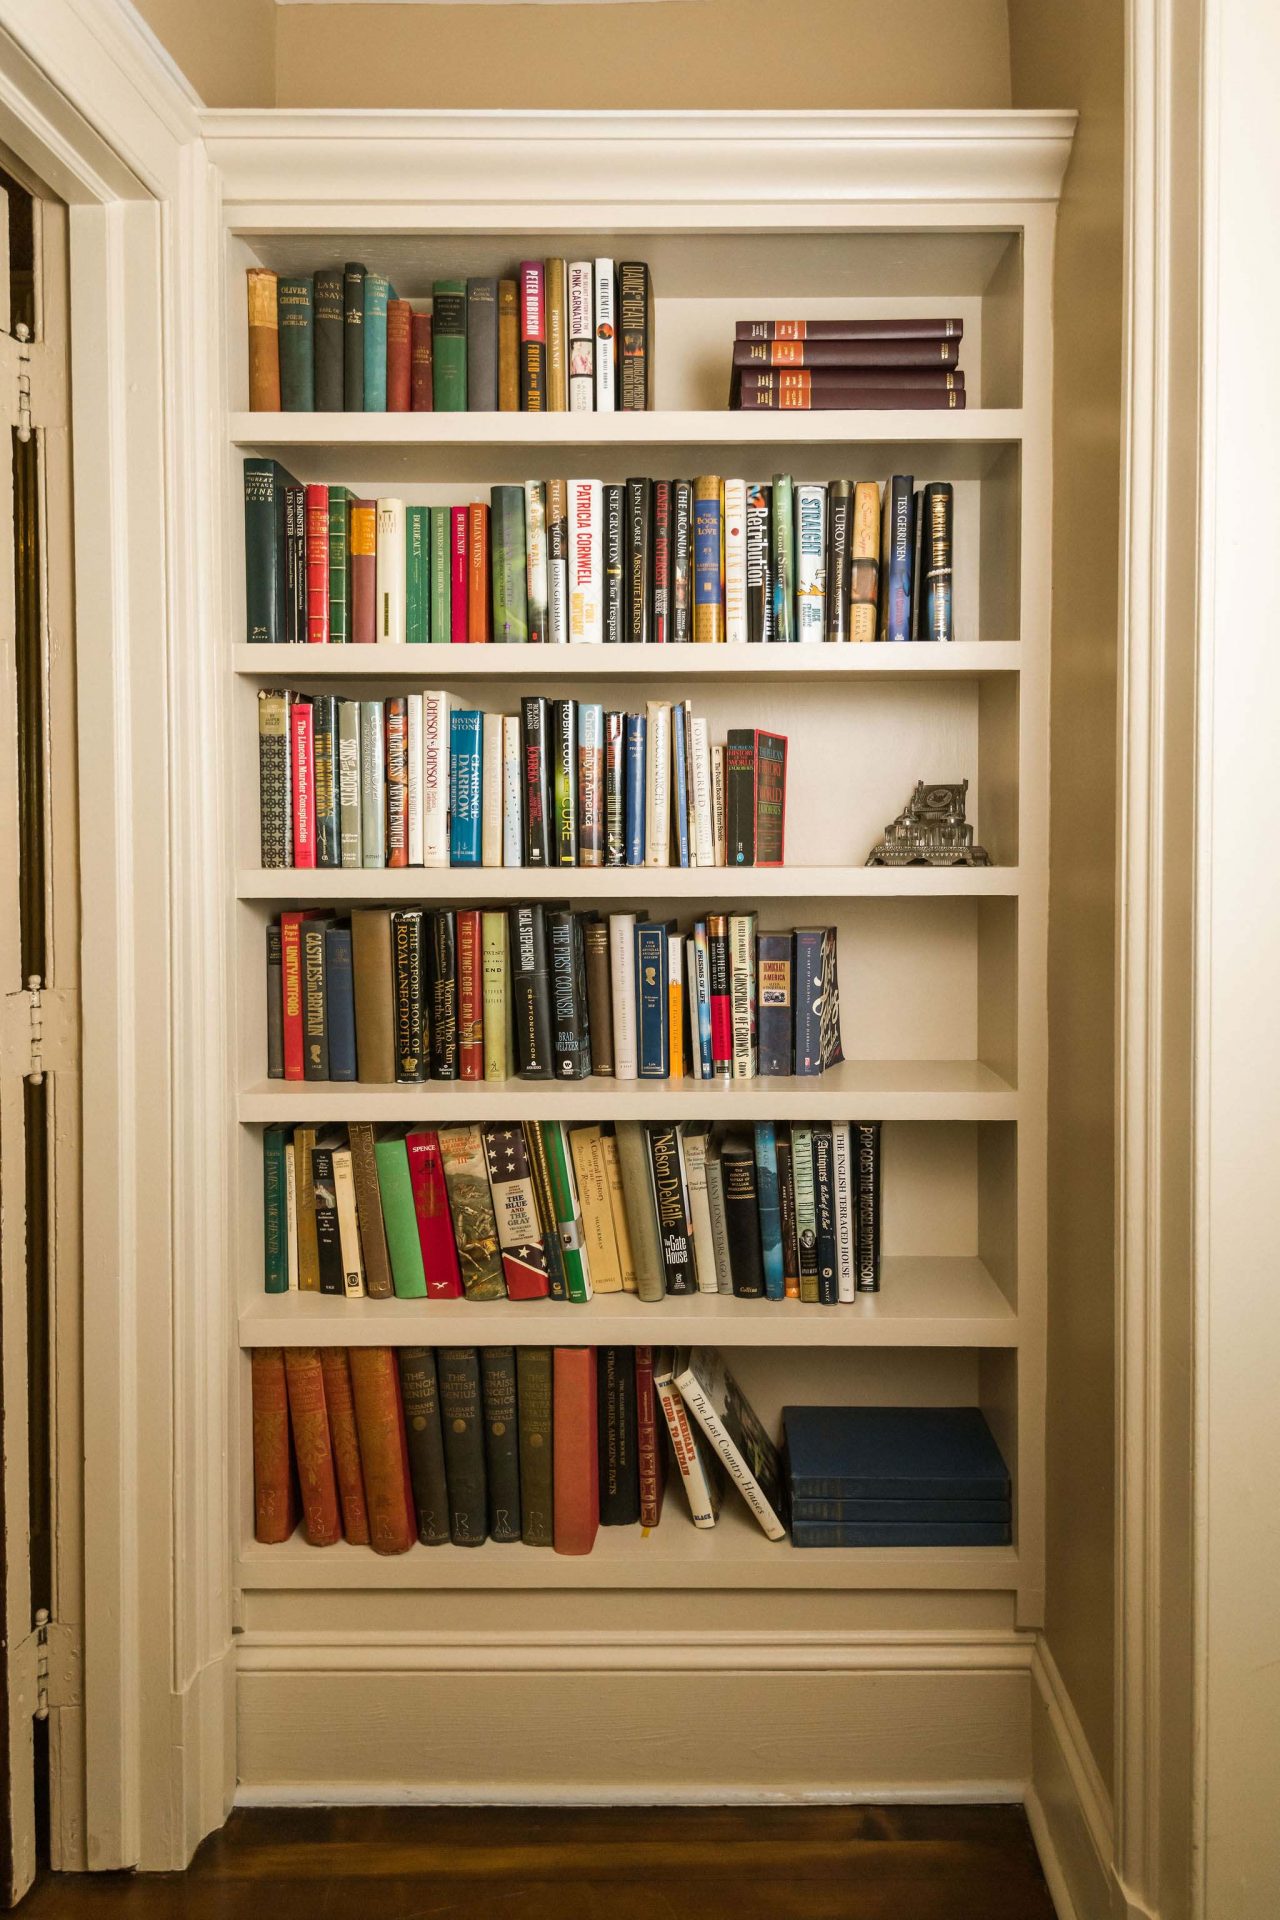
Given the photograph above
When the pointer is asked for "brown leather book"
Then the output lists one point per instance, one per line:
(399, 335)
(373, 1233)
(595, 940)
(304, 1141)
(363, 559)
(384, 1452)
(264, 342)
(575, 1454)
(312, 1446)
(346, 1444)
(477, 571)
(374, 979)
(275, 1492)
(508, 347)
(421, 393)
(846, 353)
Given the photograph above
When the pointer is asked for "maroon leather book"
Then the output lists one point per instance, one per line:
(651, 1441)
(312, 1446)
(421, 395)
(575, 1453)
(399, 321)
(899, 329)
(275, 1493)
(346, 1444)
(833, 399)
(845, 353)
(364, 571)
(780, 378)
(384, 1452)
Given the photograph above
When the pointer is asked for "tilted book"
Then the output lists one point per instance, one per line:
(731, 1424)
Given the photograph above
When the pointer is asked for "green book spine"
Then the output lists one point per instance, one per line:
(417, 574)
(564, 1196)
(400, 1219)
(533, 1401)
(296, 298)
(458, 1372)
(328, 340)
(376, 295)
(264, 570)
(353, 337)
(507, 560)
(449, 346)
(441, 595)
(501, 1441)
(275, 1222)
(784, 559)
(806, 1207)
(339, 566)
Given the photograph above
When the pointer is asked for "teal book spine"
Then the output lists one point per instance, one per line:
(768, 1201)
(449, 346)
(417, 575)
(275, 1219)
(441, 594)
(376, 294)
(339, 566)
(296, 300)
(264, 568)
(465, 792)
(508, 562)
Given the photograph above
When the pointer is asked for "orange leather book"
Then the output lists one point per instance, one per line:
(421, 391)
(399, 355)
(275, 1493)
(346, 1444)
(313, 1449)
(384, 1453)
(575, 1450)
(477, 571)
(264, 342)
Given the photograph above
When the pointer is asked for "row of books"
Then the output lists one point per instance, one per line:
(414, 781)
(832, 364)
(557, 336)
(587, 562)
(409, 993)
(541, 1210)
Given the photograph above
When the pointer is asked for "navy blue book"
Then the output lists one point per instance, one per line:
(636, 728)
(680, 781)
(651, 992)
(769, 1204)
(775, 1024)
(902, 1533)
(953, 1512)
(892, 1453)
(339, 1003)
(824, 1206)
(897, 554)
(466, 731)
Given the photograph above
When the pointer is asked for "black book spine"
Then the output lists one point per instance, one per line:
(682, 561)
(616, 1426)
(353, 337)
(615, 564)
(674, 1232)
(339, 1003)
(324, 722)
(742, 1217)
(461, 1417)
(866, 1149)
(407, 940)
(759, 563)
(329, 340)
(639, 559)
(566, 782)
(615, 789)
(315, 1024)
(533, 1394)
(535, 731)
(442, 982)
(328, 1240)
(295, 566)
(482, 346)
(660, 624)
(531, 992)
(420, 1392)
(740, 797)
(569, 1007)
(635, 354)
(917, 571)
(824, 1207)
(580, 989)
(839, 551)
(501, 1441)
(275, 1003)
(787, 1210)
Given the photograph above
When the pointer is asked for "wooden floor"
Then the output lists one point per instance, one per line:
(819, 1863)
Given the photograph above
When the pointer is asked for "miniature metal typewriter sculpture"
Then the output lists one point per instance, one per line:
(930, 831)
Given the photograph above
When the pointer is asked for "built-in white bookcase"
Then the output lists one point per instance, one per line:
(942, 974)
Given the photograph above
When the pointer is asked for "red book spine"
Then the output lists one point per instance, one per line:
(575, 1455)
(399, 317)
(317, 551)
(421, 393)
(477, 572)
(459, 573)
(291, 987)
(661, 631)
(346, 1444)
(435, 1222)
(312, 1446)
(304, 784)
(275, 1495)
(397, 761)
(384, 1452)
(651, 1451)
(470, 996)
(364, 572)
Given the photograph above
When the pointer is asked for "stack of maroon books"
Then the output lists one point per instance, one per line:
(830, 364)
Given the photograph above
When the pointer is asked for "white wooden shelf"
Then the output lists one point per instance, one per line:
(726, 884)
(961, 659)
(856, 1089)
(936, 1301)
(675, 1554)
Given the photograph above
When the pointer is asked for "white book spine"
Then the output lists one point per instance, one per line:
(699, 1489)
(703, 1411)
(704, 839)
(491, 792)
(413, 778)
(389, 572)
(344, 1193)
(842, 1190)
(657, 814)
(811, 561)
(717, 804)
(691, 1004)
(586, 597)
(535, 545)
(622, 980)
(512, 793)
(735, 562)
(695, 1166)
(719, 1224)
(557, 569)
(291, 1213)
(606, 339)
(435, 779)
(582, 372)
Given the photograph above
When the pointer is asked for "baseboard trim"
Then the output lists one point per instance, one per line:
(991, 1793)
(1068, 1806)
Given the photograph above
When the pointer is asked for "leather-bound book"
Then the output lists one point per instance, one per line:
(264, 342)
(595, 940)
(399, 346)
(651, 1441)
(575, 1453)
(295, 305)
(482, 346)
(372, 966)
(420, 1392)
(501, 1442)
(329, 340)
(353, 337)
(364, 572)
(458, 1371)
(312, 1446)
(341, 1405)
(384, 1453)
(275, 1493)
(449, 346)
(373, 1234)
(421, 394)
(304, 1143)
(533, 1395)
(508, 347)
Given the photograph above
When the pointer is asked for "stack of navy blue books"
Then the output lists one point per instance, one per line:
(894, 1477)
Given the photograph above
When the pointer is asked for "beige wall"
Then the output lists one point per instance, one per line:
(1071, 53)
(226, 48)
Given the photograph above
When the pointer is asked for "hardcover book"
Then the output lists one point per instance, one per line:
(501, 1442)
(442, 1276)
(576, 1459)
(384, 1456)
(671, 1201)
(524, 1262)
(275, 1494)
(461, 1421)
(701, 1473)
(475, 1228)
(340, 1406)
(742, 1216)
(420, 1392)
(312, 1446)
(533, 1402)
(731, 1424)
(618, 1438)
(881, 1453)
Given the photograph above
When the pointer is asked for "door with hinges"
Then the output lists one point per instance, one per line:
(39, 1082)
